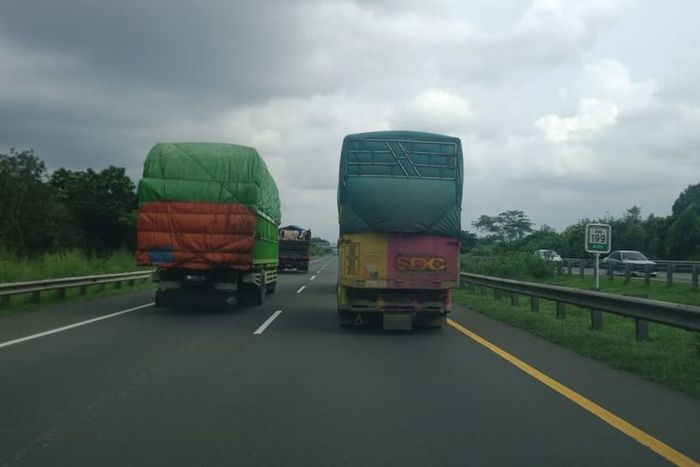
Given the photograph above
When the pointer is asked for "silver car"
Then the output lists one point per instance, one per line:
(638, 263)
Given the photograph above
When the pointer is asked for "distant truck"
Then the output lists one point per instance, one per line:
(399, 207)
(294, 247)
(208, 219)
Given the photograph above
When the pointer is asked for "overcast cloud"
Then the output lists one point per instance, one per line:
(565, 109)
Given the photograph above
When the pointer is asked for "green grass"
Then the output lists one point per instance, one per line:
(64, 264)
(671, 356)
(656, 290)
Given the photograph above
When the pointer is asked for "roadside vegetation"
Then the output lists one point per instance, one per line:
(71, 263)
(64, 264)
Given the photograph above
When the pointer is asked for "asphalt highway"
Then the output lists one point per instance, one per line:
(283, 384)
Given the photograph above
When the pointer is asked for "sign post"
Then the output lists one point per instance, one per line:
(598, 240)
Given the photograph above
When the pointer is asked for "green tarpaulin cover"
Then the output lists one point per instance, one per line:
(209, 172)
(400, 181)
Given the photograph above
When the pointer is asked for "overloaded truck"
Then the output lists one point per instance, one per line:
(295, 248)
(208, 220)
(399, 208)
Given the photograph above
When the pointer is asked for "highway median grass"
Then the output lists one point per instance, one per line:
(65, 264)
(670, 356)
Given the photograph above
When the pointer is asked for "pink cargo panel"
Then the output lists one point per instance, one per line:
(422, 261)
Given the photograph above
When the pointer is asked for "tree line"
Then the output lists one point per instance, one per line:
(662, 237)
(90, 210)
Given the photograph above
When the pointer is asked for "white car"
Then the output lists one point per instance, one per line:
(549, 255)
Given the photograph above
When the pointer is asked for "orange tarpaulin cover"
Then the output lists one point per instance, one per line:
(195, 235)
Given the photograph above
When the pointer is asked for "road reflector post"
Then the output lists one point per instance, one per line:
(641, 329)
(36, 296)
(647, 275)
(514, 299)
(628, 274)
(561, 310)
(569, 265)
(534, 304)
(596, 320)
(83, 289)
(669, 275)
(61, 293)
(695, 278)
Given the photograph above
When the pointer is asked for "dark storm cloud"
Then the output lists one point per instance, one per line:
(221, 52)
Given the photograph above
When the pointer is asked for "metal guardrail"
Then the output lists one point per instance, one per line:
(642, 309)
(37, 287)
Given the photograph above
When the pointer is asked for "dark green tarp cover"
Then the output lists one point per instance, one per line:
(209, 172)
(400, 181)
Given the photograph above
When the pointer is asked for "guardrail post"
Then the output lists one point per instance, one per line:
(641, 329)
(534, 304)
(4, 301)
(596, 319)
(627, 274)
(694, 285)
(61, 293)
(496, 294)
(118, 285)
(559, 268)
(101, 287)
(482, 289)
(569, 265)
(36, 296)
(669, 275)
(514, 299)
(647, 275)
(581, 266)
(131, 283)
(561, 310)
(83, 289)
(470, 287)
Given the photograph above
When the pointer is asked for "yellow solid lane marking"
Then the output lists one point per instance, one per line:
(662, 449)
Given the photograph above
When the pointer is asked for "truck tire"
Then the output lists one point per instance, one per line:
(260, 293)
(160, 300)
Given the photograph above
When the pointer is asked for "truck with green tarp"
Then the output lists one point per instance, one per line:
(208, 220)
(399, 210)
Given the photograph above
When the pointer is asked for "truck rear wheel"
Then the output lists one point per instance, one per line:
(260, 293)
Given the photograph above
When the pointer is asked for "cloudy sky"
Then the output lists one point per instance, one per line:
(565, 109)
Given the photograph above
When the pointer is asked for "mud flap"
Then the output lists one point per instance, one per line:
(397, 321)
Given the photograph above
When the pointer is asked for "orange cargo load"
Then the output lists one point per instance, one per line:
(195, 235)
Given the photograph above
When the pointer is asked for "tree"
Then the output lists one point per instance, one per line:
(100, 204)
(684, 234)
(506, 227)
(26, 207)
(689, 196)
